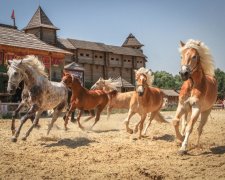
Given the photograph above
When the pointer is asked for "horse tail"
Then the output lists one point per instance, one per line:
(160, 118)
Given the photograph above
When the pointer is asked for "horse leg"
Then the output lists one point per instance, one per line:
(35, 122)
(99, 110)
(66, 117)
(127, 120)
(149, 122)
(109, 109)
(78, 119)
(15, 113)
(31, 111)
(189, 128)
(204, 118)
(92, 115)
(184, 123)
(176, 121)
(143, 116)
(57, 110)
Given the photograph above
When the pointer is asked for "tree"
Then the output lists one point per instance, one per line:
(220, 76)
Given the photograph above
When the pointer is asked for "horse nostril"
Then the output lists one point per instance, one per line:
(186, 73)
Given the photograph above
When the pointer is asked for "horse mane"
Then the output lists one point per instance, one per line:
(34, 62)
(111, 84)
(147, 73)
(206, 59)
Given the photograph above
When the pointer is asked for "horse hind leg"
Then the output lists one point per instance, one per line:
(143, 116)
(149, 122)
(35, 122)
(99, 110)
(92, 112)
(204, 118)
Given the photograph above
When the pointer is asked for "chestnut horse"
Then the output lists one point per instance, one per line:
(144, 100)
(199, 90)
(84, 99)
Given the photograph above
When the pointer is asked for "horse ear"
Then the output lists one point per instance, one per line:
(199, 43)
(182, 44)
(20, 61)
(100, 78)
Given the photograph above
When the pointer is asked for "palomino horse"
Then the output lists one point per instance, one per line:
(120, 101)
(145, 99)
(199, 91)
(43, 94)
(84, 99)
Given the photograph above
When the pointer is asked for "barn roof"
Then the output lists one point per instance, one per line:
(73, 66)
(123, 83)
(131, 41)
(80, 44)
(40, 19)
(16, 38)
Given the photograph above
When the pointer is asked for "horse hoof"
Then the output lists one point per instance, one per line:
(182, 152)
(135, 130)
(14, 139)
(130, 131)
(24, 138)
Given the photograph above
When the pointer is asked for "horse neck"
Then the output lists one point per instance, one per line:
(32, 78)
(198, 76)
(77, 89)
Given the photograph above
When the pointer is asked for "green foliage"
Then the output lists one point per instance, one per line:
(220, 76)
(166, 80)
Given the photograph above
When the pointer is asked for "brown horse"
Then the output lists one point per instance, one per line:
(144, 100)
(199, 91)
(84, 99)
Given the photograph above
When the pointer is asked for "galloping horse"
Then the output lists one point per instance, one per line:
(84, 99)
(119, 101)
(199, 90)
(43, 94)
(144, 100)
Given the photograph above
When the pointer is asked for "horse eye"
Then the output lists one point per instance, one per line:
(16, 73)
(194, 58)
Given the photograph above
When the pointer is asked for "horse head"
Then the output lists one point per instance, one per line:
(190, 60)
(15, 74)
(141, 83)
(100, 84)
(70, 80)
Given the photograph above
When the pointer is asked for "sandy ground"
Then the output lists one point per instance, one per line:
(108, 152)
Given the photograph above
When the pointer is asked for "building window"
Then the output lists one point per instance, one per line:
(96, 56)
(125, 60)
(81, 54)
(137, 61)
(117, 59)
(140, 62)
(112, 58)
(87, 55)
(100, 57)
(128, 60)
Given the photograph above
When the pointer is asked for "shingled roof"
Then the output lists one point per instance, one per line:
(123, 83)
(73, 66)
(40, 19)
(80, 44)
(170, 92)
(131, 41)
(17, 38)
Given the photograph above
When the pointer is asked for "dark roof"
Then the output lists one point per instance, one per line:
(170, 92)
(123, 83)
(131, 41)
(17, 38)
(73, 66)
(79, 44)
(40, 19)
(64, 43)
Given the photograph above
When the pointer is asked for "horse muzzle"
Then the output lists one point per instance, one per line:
(11, 91)
(185, 73)
(140, 90)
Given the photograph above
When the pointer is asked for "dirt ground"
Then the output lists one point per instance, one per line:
(108, 152)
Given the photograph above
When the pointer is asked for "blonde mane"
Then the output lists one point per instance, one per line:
(147, 73)
(37, 65)
(206, 59)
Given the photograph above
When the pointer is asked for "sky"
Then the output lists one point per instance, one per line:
(158, 24)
